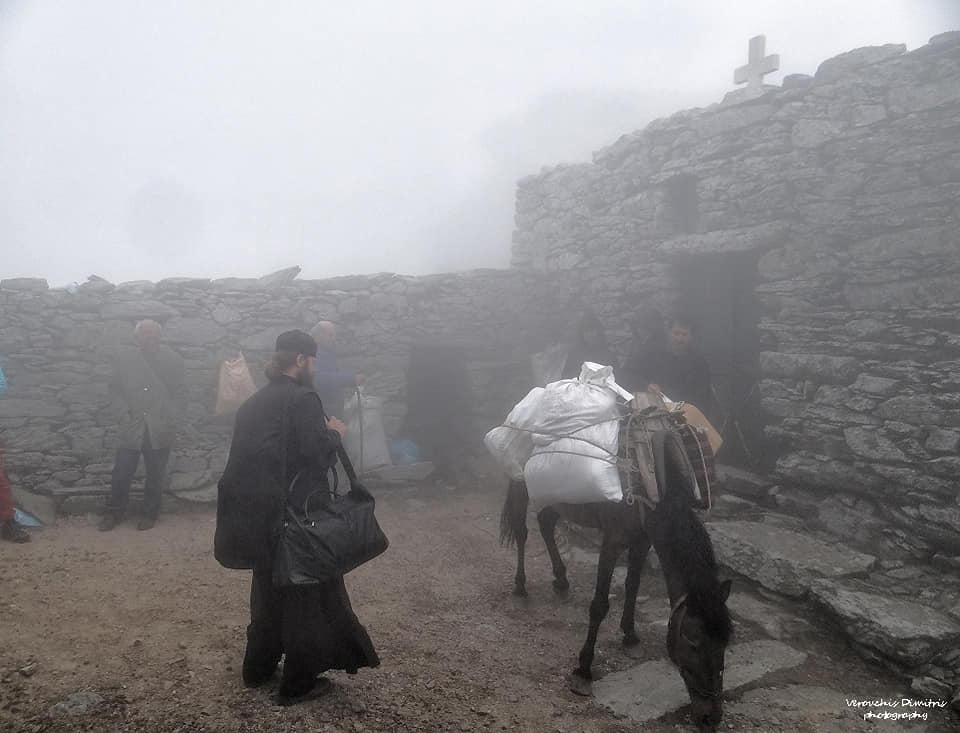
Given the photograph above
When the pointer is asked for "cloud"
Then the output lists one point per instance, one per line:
(347, 137)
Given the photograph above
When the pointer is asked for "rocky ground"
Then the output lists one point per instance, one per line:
(143, 631)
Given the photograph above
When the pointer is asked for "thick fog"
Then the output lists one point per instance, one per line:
(142, 140)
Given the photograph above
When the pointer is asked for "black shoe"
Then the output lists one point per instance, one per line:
(13, 532)
(257, 676)
(290, 694)
(146, 523)
(108, 522)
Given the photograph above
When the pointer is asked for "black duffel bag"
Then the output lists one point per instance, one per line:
(323, 544)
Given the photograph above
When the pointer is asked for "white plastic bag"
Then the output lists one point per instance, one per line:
(574, 429)
(576, 439)
(511, 444)
(569, 471)
(366, 439)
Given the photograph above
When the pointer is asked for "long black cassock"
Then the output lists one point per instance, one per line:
(315, 626)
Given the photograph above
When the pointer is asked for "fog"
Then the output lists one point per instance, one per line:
(142, 140)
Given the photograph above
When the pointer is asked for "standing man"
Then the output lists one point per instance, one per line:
(678, 369)
(281, 433)
(148, 395)
(330, 381)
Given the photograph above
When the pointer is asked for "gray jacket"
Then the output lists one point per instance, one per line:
(147, 391)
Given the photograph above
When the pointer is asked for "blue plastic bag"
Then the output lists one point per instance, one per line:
(3, 382)
(24, 519)
(404, 452)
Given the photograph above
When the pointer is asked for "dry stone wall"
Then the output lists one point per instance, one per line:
(842, 192)
(55, 348)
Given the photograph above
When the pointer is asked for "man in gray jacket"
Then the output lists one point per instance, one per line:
(148, 396)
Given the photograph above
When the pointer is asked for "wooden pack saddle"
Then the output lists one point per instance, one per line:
(654, 440)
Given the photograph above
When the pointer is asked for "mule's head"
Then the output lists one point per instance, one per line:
(697, 637)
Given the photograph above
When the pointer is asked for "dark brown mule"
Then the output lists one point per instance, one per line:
(699, 626)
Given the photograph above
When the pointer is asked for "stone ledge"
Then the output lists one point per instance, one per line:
(904, 631)
(780, 559)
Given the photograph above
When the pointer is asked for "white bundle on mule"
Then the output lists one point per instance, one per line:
(576, 438)
(512, 443)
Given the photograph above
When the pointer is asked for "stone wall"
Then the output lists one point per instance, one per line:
(55, 348)
(841, 193)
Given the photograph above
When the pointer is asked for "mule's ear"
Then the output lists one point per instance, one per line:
(725, 590)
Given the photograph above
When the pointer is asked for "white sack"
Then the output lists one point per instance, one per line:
(576, 439)
(366, 439)
(509, 444)
(571, 472)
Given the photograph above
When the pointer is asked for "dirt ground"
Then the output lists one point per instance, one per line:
(150, 623)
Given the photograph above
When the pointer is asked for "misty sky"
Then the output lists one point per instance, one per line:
(143, 139)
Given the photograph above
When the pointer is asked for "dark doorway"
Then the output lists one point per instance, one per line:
(719, 290)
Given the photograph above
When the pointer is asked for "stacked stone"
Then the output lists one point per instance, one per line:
(55, 348)
(844, 189)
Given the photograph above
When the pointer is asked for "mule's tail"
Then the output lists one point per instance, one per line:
(513, 518)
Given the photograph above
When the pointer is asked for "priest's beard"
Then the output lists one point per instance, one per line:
(305, 378)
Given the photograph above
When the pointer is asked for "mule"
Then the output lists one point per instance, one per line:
(699, 627)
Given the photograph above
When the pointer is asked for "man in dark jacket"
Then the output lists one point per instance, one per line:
(281, 433)
(148, 397)
(676, 368)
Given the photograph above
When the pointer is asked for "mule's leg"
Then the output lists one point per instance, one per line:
(582, 677)
(637, 556)
(520, 581)
(547, 518)
(513, 529)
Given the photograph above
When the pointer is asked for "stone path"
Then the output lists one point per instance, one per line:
(654, 688)
(902, 617)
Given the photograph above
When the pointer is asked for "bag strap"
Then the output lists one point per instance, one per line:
(283, 445)
(355, 484)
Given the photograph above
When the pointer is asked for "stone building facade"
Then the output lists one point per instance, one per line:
(815, 229)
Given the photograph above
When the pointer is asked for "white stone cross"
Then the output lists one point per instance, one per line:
(757, 64)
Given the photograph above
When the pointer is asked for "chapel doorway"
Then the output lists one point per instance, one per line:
(719, 291)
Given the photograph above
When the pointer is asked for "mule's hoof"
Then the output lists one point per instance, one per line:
(561, 585)
(519, 591)
(580, 686)
(633, 649)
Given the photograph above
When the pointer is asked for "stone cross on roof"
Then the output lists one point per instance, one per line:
(757, 64)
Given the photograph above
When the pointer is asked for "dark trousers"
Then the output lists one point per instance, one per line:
(124, 468)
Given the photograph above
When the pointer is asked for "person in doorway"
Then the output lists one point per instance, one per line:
(281, 433)
(330, 380)
(589, 343)
(649, 340)
(148, 396)
(439, 409)
(678, 369)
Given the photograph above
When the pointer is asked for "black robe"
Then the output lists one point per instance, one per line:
(314, 625)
